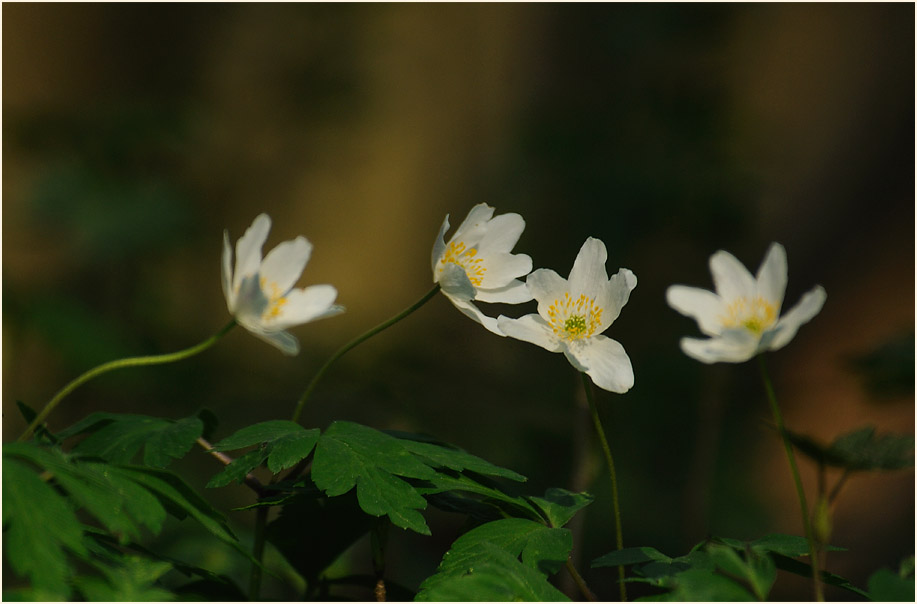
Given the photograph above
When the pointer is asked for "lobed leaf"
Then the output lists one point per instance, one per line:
(118, 437)
(860, 450)
(496, 576)
(541, 548)
(560, 505)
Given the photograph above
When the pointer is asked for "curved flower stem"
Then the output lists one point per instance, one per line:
(580, 583)
(353, 343)
(614, 478)
(794, 470)
(158, 359)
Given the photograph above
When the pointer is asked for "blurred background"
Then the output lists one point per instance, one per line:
(133, 135)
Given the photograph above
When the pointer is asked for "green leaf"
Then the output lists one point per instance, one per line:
(860, 450)
(238, 469)
(131, 581)
(887, 586)
(494, 576)
(560, 505)
(494, 497)
(702, 585)
(289, 450)
(121, 506)
(257, 434)
(178, 498)
(349, 455)
(803, 569)
(441, 455)
(118, 437)
(755, 568)
(542, 548)
(38, 524)
(630, 555)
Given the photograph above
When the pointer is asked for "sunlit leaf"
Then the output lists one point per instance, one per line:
(133, 580)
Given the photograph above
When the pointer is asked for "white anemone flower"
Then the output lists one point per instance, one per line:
(573, 313)
(476, 263)
(260, 294)
(743, 316)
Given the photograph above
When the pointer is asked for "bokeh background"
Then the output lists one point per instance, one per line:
(133, 135)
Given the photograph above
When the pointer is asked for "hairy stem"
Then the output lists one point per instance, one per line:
(158, 359)
(297, 412)
(619, 539)
(580, 583)
(794, 470)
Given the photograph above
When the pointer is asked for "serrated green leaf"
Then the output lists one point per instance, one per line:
(541, 548)
(444, 456)
(119, 505)
(803, 569)
(289, 450)
(560, 505)
(38, 524)
(442, 483)
(238, 469)
(178, 498)
(118, 437)
(259, 433)
(494, 576)
(349, 455)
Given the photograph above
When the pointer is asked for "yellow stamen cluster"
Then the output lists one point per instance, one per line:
(755, 315)
(575, 319)
(456, 253)
(275, 302)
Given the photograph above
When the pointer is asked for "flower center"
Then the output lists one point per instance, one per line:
(755, 315)
(275, 301)
(575, 319)
(456, 253)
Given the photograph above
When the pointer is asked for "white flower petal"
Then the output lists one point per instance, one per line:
(772, 276)
(472, 229)
(472, 311)
(455, 282)
(502, 234)
(604, 360)
(546, 287)
(588, 274)
(704, 306)
(501, 268)
(613, 295)
(806, 309)
(305, 305)
(731, 278)
(514, 293)
(226, 273)
(439, 245)
(532, 329)
(733, 346)
(284, 264)
(248, 249)
(286, 342)
(249, 302)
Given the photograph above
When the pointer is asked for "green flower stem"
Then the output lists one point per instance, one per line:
(353, 343)
(119, 364)
(580, 583)
(619, 539)
(794, 470)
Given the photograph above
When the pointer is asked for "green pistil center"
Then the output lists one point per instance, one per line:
(575, 325)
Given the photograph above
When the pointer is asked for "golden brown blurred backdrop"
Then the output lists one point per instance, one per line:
(133, 134)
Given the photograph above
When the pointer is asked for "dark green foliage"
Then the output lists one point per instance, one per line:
(888, 370)
(860, 450)
(887, 586)
(281, 443)
(118, 437)
(722, 569)
(484, 564)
